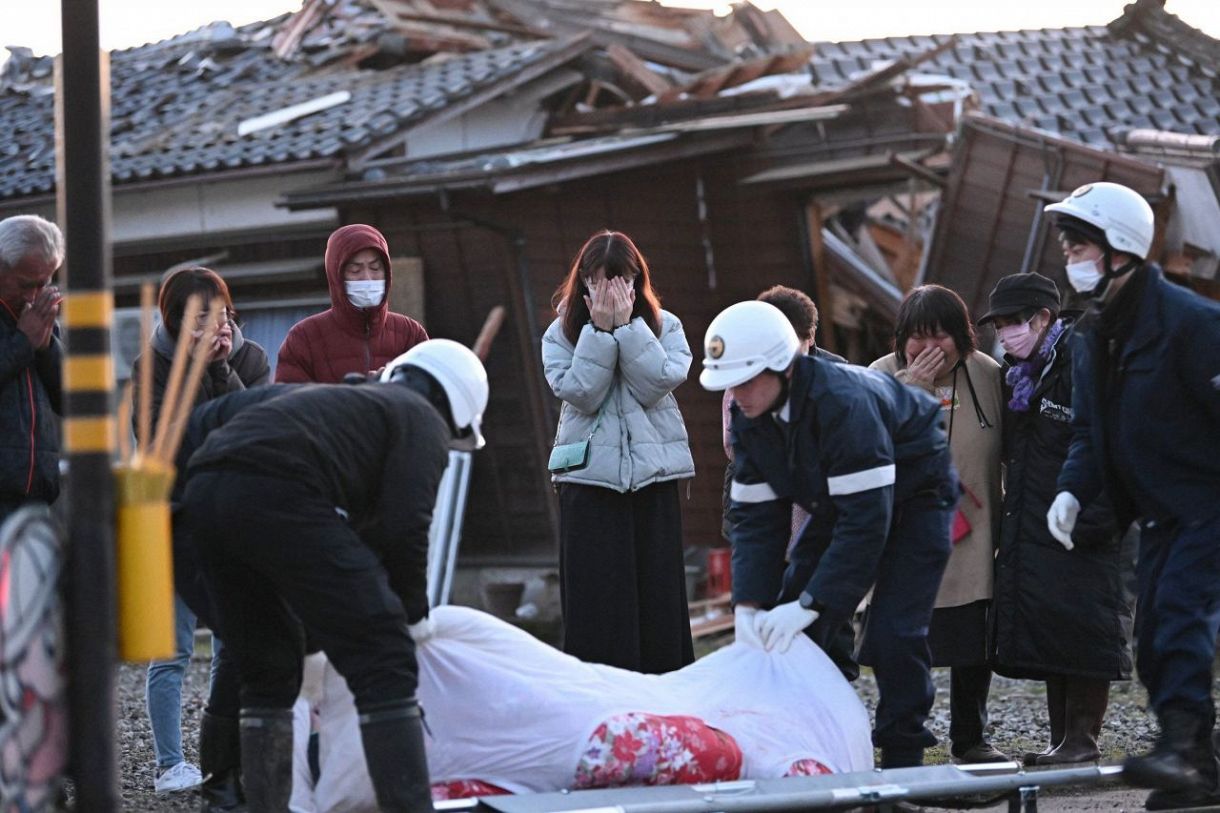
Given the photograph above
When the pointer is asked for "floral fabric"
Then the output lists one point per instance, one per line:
(808, 767)
(650, 749)
(464, 789)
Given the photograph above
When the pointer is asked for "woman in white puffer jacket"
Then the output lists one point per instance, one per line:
(614, 358)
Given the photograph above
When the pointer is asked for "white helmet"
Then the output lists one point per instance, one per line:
(744, 340)
(1120, 213)
(461, 375)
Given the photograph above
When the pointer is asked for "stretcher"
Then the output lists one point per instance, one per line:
(954, 786)
(445, 533)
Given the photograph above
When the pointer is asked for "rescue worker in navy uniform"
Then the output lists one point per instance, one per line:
(1146, 425)
(867, 457)
(326, 495)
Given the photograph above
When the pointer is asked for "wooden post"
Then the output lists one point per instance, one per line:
(821, 277)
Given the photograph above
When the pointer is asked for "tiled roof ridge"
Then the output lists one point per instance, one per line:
(1149, 18)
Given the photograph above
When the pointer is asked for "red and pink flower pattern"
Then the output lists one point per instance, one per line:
(650, 749)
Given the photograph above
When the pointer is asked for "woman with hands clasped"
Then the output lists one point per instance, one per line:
(614, 358)
(234, 364)
(935, 350)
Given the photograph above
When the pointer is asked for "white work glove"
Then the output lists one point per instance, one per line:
(1061, 519)
(422, 630)
(743, 625)
(780, 626)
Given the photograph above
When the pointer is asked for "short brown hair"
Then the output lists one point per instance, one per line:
(931, 309)
(797, 306)
(178, 285)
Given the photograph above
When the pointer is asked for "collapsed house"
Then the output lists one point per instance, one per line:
(488, 138)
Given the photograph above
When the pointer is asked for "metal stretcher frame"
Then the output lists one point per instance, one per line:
(941, 785)
(445, 533)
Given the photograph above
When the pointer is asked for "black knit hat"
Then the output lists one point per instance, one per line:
(1018, 292)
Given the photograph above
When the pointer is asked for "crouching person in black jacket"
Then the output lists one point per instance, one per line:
(310, 512)
(866, 457)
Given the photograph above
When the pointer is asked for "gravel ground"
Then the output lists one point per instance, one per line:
(1018, 724)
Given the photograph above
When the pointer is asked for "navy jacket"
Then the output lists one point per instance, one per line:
(853, 447)
(1168, 411)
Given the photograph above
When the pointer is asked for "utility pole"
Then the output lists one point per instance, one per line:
(83, 189)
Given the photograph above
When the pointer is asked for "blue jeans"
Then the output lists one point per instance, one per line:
(163, 689)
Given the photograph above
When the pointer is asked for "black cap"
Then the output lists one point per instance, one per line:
(1017, 292)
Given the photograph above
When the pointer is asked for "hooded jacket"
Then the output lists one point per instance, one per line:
(246, 366)
(345, 339)
(30, 393)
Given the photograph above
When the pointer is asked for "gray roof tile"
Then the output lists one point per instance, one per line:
(1153, 71)
(177, 105)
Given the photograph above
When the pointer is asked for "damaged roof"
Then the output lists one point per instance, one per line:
(335, 78)
(343, 80)
(221, 100)
(1147, 69)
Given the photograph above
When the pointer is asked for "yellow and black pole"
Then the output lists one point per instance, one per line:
(83, 187)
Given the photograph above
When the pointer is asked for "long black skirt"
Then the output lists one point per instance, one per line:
(622, 577)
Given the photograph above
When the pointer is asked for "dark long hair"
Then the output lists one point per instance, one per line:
(178, 286)
(932, 308)
(613, 251)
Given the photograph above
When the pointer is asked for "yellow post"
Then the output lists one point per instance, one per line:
(144, 561)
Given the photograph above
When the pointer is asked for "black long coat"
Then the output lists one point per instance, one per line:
(1056, 612)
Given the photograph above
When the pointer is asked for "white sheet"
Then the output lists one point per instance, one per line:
(503, 707)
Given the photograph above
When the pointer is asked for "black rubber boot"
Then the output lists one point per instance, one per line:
(266, 759)
(1203, 758)
(1170, 763)
(393, 738)
(901, 757)
(220, 763)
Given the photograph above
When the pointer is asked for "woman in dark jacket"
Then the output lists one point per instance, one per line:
(235, 364)
(1059, 616)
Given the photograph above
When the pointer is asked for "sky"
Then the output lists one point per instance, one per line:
(124, 23)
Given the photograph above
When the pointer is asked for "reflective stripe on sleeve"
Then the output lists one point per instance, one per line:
(861, 480)
(758, 492)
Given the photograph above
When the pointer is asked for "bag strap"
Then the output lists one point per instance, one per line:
(596, 423)
(600, 411)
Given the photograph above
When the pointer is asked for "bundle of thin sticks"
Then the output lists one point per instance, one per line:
(185, 378)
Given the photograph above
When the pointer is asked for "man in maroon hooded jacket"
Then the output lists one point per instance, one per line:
(358, 334)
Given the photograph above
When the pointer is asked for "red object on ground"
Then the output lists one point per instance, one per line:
(719, 571)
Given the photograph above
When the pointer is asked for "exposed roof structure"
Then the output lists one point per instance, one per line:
(343, 80)
(218, 101)
(1147, 69)
(338, 76)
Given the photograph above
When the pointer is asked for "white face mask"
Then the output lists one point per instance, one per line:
(1083, 275)
(365, 293)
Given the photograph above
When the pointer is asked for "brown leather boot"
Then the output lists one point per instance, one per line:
(1086, 701)
(1057, 713)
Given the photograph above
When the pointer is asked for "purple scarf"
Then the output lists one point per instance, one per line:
(1023, 376)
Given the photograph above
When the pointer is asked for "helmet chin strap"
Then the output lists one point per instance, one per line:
(782, 398)
(1110, 274)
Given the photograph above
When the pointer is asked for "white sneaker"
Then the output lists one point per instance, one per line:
(180, 777)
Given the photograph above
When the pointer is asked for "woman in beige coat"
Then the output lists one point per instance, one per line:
(935, 349)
